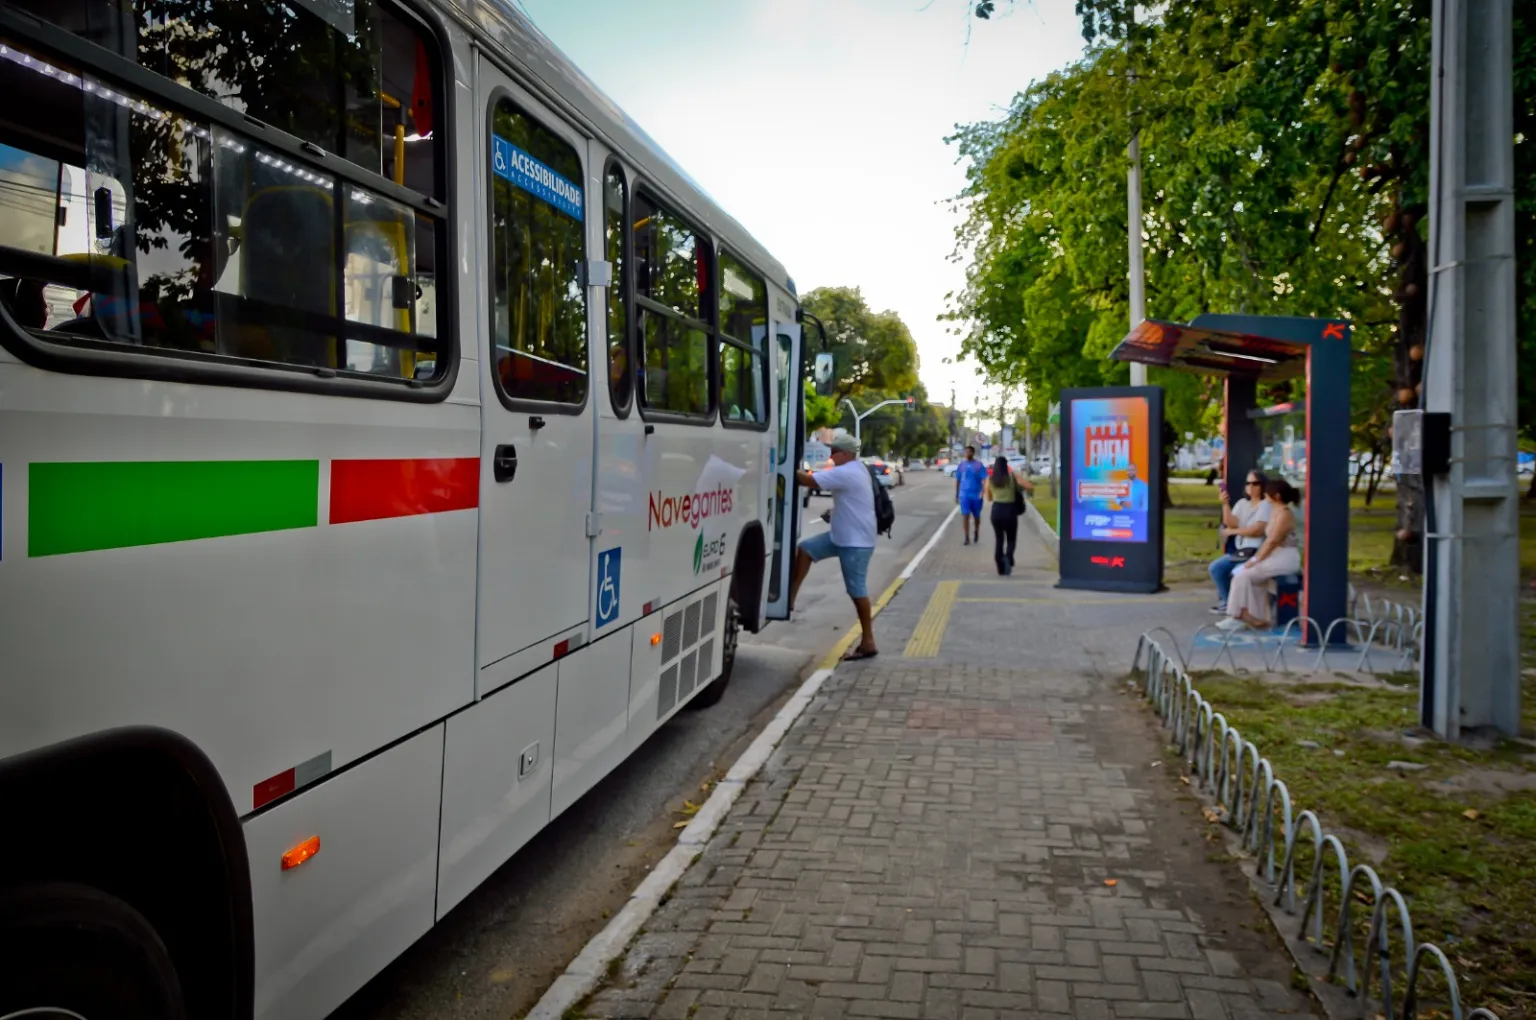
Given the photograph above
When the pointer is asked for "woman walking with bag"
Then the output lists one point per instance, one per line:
(1005, 490)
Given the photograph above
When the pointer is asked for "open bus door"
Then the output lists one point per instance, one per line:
(789, 377)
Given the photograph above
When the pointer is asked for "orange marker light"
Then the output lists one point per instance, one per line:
(655, 639)
(301, 853)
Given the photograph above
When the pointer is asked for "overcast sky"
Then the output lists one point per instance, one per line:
(820, 126)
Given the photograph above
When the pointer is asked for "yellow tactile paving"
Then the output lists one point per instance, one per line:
(929, 632)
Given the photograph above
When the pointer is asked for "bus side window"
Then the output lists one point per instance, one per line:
(743, 332)
(615, 209)
(538, 302)
(169, 234)
(672, 307)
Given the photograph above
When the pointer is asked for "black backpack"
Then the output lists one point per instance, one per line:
(885, 510)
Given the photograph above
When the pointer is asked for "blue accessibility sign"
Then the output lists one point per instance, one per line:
(527, 173)
(610, 563)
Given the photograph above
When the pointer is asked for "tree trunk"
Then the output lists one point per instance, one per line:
(1412, 304)
(1530, 493)
(1378, 468)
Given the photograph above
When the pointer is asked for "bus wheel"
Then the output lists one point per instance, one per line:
(72, 952)
(713, 693)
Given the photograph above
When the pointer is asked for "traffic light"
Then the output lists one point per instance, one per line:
(909, 401)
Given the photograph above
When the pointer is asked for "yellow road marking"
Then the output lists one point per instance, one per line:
(1079, 602)
(929, 632)
(847, 640)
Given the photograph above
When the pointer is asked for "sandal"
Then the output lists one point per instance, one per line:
(859, 653)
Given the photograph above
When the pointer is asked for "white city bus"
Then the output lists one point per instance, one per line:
(391, 439)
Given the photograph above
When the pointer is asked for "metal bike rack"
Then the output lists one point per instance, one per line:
(1216, 753)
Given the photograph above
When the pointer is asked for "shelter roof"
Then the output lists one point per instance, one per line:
(1208, 351)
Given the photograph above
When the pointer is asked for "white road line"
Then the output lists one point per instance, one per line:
(911, 568)
(586, 972)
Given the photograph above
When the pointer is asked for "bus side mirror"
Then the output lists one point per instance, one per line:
(822, 373)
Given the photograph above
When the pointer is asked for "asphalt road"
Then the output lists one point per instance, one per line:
(497, 952)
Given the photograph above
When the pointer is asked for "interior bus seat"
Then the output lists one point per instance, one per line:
(287, 258)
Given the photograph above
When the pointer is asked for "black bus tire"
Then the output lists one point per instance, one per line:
(712, 694)
(79, 951)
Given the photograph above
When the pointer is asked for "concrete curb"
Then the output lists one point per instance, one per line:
(586, 972)
(1045, 531)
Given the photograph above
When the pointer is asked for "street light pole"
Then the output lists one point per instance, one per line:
(858, 418)
(1133, 212)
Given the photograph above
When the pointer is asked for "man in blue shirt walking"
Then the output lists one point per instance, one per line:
(970, 478)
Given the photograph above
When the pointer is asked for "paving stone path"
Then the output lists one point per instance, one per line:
(974, 830)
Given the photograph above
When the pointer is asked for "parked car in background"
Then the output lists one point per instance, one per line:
(883, 473)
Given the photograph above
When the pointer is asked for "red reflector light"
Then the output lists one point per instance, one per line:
(562, 648)
(301, 853)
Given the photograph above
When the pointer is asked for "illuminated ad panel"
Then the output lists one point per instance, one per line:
(1110, 468)
(1112, 519)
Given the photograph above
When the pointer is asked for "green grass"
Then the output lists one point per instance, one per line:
(1467, 878)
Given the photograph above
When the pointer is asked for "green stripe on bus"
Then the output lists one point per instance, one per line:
(77, 507)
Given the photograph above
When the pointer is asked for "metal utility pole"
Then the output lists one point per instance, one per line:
(1054, 421)
(1133, 209)
(952, 413)
(1004, 430)
(1470, 670)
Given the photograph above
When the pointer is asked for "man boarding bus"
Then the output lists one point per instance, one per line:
(851, 537)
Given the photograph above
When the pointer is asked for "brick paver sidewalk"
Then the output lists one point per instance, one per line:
(972, 829)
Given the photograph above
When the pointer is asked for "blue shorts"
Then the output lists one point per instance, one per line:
(970, 506)
(854, 560)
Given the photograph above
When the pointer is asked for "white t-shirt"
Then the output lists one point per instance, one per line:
(1249, 513)
(853, 509)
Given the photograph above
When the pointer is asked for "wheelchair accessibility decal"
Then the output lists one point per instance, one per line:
(523, 171)
(609, 565)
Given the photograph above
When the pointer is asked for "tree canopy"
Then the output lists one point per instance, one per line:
(1285, 172)
(874, 359)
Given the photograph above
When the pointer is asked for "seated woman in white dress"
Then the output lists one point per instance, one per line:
(1279, 555)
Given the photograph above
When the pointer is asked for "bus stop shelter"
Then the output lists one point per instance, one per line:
(1246, 351)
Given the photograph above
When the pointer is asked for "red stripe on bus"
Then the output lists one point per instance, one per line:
(371, 490)
(269, 790)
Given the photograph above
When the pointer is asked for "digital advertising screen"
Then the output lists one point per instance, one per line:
(1111, 464)
(1111, 512)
